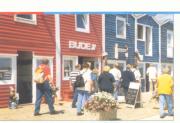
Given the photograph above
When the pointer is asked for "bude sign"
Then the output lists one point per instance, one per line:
(81, 45)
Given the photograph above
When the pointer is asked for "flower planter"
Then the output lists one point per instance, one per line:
(102, 115)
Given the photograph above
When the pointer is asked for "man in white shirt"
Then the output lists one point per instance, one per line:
(152, 73)
(117, 76)
(137, 73)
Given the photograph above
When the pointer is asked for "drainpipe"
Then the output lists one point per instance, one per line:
(159, 71)
(135, 38)
(58, 54)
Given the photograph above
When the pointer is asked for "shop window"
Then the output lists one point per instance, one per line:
(140, 32)
(26, 18)
(82, 22)
(120, 27)
(69, 63)
(7, 70)
(170, 41)
(122, 64)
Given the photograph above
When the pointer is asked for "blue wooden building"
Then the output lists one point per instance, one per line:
(126, 35)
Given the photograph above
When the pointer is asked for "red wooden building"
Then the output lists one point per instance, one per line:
(66, 40)
(81, 41)
(24, 41)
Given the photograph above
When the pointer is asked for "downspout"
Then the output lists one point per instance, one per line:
(135, 38)
(58, 54)
(103, 42)
(159, 71)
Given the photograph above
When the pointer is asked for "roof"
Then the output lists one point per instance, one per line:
(160, 19)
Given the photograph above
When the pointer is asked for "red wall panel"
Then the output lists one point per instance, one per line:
(14, 36)
(68, 32)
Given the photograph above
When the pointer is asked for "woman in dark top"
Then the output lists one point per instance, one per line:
(106, 80)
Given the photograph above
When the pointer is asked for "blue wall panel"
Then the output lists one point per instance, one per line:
(148, 20)
(111, 40)
(164, 28)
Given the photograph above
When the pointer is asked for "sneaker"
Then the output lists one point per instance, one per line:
(53, 112)
(79, 113)
(73, 106)
(36, 114)
(162, 116)
(170, 114)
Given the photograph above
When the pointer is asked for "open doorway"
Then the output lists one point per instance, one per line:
(24, 76)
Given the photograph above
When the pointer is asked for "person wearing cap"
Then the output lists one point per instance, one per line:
(106, 80)
(127, 77)
(165, 90)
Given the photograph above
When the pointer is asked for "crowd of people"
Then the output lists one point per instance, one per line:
(86, 81)
(113, 80)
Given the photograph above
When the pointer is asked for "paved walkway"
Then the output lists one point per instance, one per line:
(156, 117)
(25, 112)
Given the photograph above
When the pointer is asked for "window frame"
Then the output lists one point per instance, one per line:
(67, 57)
(124, 20)
(24, 20)
(143, 27)
(169, 46)
(87, 27)
(13, 80)
(151, 38)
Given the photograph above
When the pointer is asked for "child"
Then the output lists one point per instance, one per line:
(13, 98)
(54, 89)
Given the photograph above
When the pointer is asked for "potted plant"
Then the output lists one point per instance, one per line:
(102, 105)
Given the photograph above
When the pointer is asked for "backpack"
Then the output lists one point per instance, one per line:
(39, 76)
(79, 81)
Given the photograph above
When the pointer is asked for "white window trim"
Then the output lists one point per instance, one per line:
(28, 21)
(151, 41)
(143, 32)
(117, 61)
(66, 57)
(14, 69)
(87, 28)
(171, 32)
(124, 20)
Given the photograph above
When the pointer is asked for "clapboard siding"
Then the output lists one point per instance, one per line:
(148, 20)
(69, 33)
(4, 95)
(164, 28)
(111, 40)
(22, 36)
(17, 36)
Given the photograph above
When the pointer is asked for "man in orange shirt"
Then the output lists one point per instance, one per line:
(44, 89)
(165, 89)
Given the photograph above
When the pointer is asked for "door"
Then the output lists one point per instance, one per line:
(24, 76)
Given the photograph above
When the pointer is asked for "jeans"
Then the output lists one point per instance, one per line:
(117, 89)
(75, 97)
(82, 98)
(125, 92)
(163, 98)
(43, 89)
